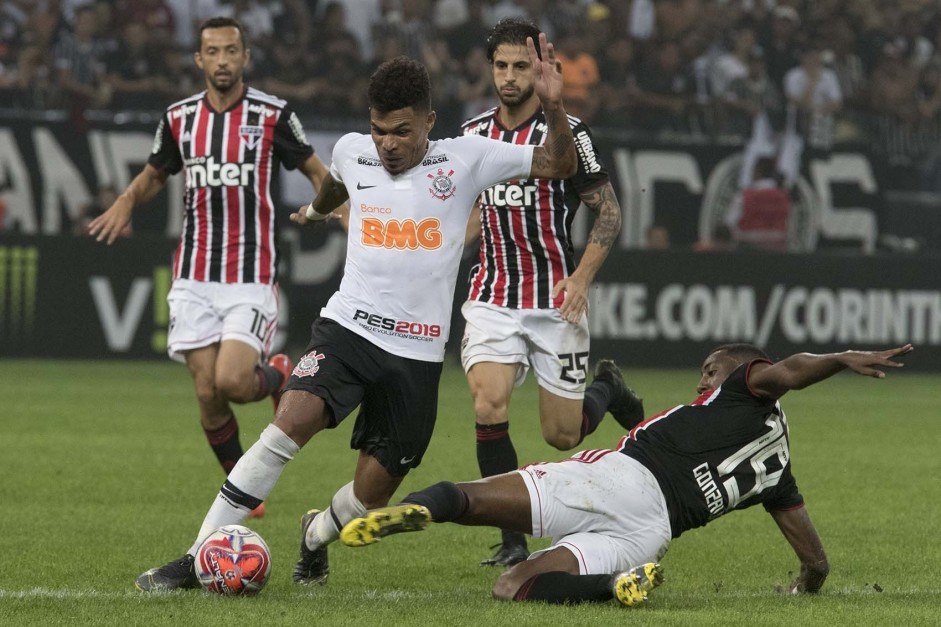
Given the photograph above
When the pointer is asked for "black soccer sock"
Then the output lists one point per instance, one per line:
(495, 452)
(597, 397)
(444, 500)
(269, 380)
(559, 587)
(225, 443)
(496, 455)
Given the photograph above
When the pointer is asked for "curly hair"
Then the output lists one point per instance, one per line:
(512, 31)
(400, 83)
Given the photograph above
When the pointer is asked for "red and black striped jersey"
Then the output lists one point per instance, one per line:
(230, 159)
(728, 449)
(525, 240)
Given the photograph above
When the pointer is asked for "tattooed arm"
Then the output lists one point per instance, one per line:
(602, 202)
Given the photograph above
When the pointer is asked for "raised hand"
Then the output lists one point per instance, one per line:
(868, 362)
(548, 78)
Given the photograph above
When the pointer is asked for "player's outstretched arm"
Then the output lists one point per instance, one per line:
(146, 185)
(798, 371)
(801, 534)
(330, 195)
(556, 158)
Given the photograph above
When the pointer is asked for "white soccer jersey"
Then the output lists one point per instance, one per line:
(406, 237)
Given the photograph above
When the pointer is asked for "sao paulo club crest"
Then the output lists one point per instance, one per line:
(309, 364)
(441, 184)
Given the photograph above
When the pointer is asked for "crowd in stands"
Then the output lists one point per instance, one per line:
(823, 70)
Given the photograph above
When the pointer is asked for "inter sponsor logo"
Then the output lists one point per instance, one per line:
(205, 172)
(510, 195)
(400, 328)
(407, 234)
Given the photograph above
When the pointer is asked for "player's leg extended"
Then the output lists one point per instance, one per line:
(372, 487)
(500, 501)
(491, 386)
(300, 416)
(554, 577)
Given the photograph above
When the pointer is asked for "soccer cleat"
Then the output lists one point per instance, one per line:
(383, 522)
(177, 575)
(313, 567)
(258, 512)
(626, 407)
(283, 364)
(631, 587)
(507, 555)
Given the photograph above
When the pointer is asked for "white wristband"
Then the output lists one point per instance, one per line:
(315, 216)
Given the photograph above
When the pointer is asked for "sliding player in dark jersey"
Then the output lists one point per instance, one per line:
(613, 513)
(228, 140)
(528, 299)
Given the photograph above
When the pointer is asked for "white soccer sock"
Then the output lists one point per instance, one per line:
(255, 474)
(344, 507)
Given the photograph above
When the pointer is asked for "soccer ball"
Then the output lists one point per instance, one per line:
(233, 560)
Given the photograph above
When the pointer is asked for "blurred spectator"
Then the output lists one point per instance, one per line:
(29, 84)
(343, 78)
(618, 80)
(760, 214)
(579, 75)
(155, 16)
(733, 64)
(781, 42)
(361, 17)
(755, 108)
(475, 84)
(469, 33)
(892, 87)
(80, 62)
(136, 72)
(665, 89)
(657, 237)
(813, 96)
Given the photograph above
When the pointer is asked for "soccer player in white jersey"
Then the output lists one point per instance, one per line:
(612, 513)
(379, 343)
(528, 300)
(228, 140)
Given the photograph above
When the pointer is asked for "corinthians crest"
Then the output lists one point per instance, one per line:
(441, 184)
(309, 364)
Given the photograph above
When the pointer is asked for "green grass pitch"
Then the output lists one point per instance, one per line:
(105, 472)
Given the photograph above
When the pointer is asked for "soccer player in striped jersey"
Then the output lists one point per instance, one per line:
(528, 300)
(612, 513)
(228, 140)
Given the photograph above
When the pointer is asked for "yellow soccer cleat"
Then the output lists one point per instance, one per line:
(385, 521)
(631, 587)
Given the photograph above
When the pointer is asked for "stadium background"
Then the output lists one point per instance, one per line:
(82, 86)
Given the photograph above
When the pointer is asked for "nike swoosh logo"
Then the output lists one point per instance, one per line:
(361, 186)
(407, 460)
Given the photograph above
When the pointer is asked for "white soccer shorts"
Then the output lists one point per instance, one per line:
(603, 506)
(556, 350)
(205, 313)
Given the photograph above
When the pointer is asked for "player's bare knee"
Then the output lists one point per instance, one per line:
(234, 387)
(489, 410)
(561, 438)
(506, 586)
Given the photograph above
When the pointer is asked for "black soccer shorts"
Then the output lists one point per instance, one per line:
(397, 397)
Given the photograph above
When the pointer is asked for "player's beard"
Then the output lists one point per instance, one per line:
(515, 101)
(224, 87)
